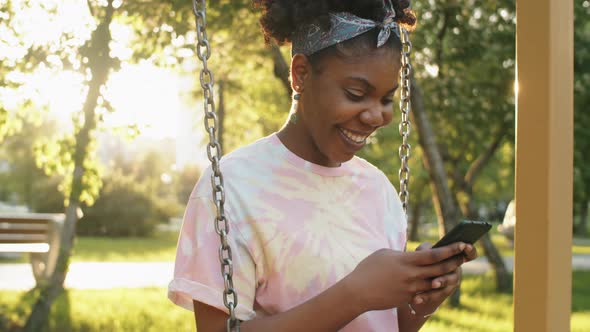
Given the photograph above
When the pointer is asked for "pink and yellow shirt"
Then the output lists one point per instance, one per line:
(296, 229)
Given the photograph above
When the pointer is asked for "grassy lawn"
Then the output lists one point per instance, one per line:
(159, 248)
(162, 247)
(100, 310)
(148, 310)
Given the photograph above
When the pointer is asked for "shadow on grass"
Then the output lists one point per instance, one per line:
(13, 318)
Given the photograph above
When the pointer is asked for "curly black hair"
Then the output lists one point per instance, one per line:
(281, 18)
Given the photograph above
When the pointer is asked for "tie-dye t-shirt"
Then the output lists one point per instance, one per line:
(296, 228)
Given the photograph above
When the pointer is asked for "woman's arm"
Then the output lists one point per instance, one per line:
(385, 279)
(329, 311)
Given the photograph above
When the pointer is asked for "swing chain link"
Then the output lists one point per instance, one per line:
(203, 50)
(405, 127)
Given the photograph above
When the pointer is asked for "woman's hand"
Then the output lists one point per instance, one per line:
(444, 285)
(388, 278)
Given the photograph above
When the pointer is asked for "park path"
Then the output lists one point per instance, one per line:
(94, 275)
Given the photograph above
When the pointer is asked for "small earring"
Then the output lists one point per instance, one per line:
(296, 97)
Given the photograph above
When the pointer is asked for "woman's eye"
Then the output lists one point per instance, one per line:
(354, 96)
(387, 101)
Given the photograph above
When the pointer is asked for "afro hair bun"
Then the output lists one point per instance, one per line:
(281, 18)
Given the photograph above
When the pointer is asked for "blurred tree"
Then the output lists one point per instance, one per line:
(465, 70)
(21, 53)
(125, 207)
(581, 115)
(23, 182)
(74, 157)
(254, 103)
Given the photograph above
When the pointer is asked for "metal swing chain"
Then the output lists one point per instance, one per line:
(203, 49)
(405, 127)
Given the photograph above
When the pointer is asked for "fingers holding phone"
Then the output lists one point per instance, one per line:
(448, 278)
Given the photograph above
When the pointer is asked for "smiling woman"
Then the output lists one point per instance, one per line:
(317, 234)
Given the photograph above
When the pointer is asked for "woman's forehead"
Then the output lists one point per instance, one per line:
(377, 68)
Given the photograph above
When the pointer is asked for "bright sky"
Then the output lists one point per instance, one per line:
(146, 96)
(142, 94)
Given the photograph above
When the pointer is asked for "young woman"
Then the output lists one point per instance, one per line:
(318, 235)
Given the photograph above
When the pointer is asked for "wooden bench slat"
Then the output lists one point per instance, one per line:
(25, 221)
(33, 216)
(24, 247)
(23, 238)
(23, 241)
(23, 226)
(22, 231)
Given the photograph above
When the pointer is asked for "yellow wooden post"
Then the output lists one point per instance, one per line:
(544, 166)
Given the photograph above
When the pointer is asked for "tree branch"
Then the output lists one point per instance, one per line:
(478, 164)
(90, 8)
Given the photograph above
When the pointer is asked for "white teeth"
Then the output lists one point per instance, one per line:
(354, 137)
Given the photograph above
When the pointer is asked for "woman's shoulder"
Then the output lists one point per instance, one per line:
(258, 153)
(363, 166)
(241, 164)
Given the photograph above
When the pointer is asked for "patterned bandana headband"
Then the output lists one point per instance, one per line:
(310, 39)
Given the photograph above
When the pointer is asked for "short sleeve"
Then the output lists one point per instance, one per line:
(197, 270)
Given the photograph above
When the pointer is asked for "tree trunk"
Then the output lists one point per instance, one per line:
(464, 195)
(100, 67)
(445, 205)
(503, 277)
(415, 221)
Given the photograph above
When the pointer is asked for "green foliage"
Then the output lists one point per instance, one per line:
(463, 59)
(581, 102)
(55, 156)
(138, 194)
(23, 182)
(124, 208)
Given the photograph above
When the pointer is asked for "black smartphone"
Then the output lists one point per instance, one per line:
(467, 231)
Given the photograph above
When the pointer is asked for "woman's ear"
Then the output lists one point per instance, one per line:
(300, 70)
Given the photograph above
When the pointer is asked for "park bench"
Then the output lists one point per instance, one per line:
(35, 233)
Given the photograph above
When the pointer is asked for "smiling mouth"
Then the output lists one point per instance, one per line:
(356, 138)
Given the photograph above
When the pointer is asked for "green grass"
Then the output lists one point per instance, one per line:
(482, 310)
(100, 310)
(158, 248)
(162, 247)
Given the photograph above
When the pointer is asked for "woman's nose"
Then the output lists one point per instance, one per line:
(377, 116)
